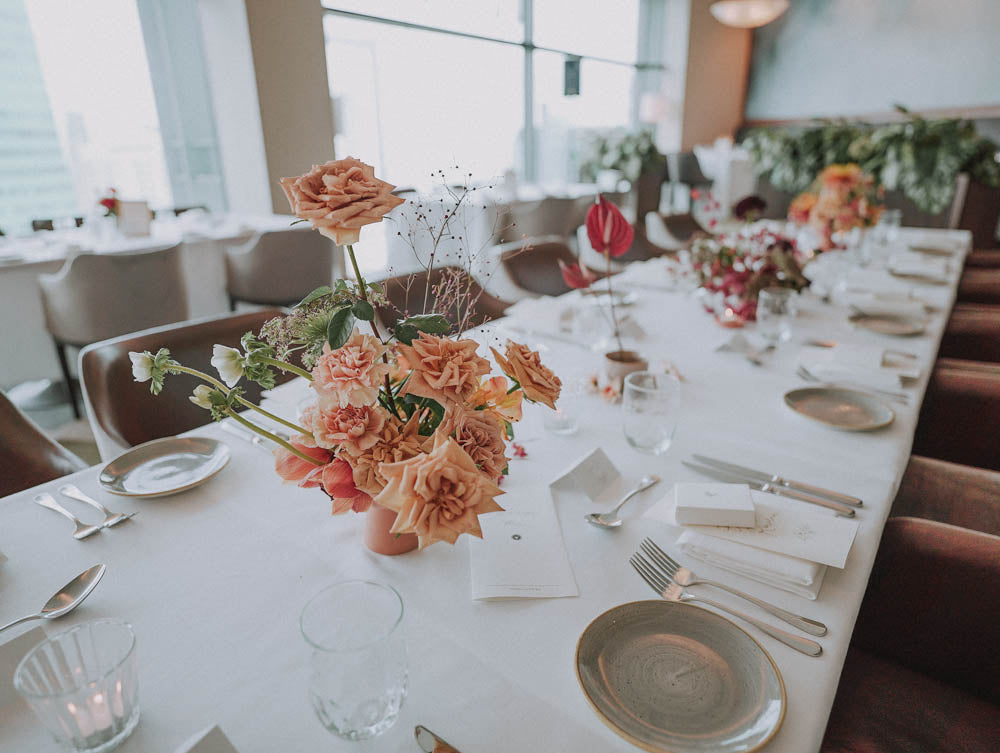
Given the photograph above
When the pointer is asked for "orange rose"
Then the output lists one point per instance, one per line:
(801, 206)
(443, 369)
(524, 365)
(339, 198)
(480, 437)
(396, 442)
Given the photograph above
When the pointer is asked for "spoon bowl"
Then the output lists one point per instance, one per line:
(611, 518)
(67, 598)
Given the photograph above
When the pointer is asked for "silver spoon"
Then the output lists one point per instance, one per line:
(110, 518)
(610, 519)
(68, 597)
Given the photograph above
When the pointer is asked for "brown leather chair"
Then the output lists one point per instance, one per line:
(406, 297)
(922, 673)
(124, 410)
(972, 333)
(28, 457)
(950, 493)
(987, 257)
(533, 264)
(979, 285)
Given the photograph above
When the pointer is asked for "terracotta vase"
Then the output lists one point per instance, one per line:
(618, 364)
(378, 521)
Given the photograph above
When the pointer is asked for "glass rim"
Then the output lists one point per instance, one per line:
(378, 638)
(19, 684)
(674, 381)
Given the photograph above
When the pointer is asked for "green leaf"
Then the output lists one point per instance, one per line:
(405, 333)
(340, 328)
(434, 324)
(317, 293)
(363, 311)
(374, 286)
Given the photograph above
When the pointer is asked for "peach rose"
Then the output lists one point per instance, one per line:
(351, 374)
(438, 495)
(480, 437)
(339, 198)
(524, 365)
(443, 369)
(351, 428)
(396, 441)
(801, 206)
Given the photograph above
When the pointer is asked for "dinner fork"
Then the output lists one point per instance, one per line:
(684, 577)
(672, 592)
(899, 397)
(82, 529)
(110, 518)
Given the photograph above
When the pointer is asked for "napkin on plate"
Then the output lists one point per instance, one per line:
(797, 576)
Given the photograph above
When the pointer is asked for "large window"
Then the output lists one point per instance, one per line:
(419, 85)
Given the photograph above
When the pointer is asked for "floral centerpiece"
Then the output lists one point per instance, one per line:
(843, 198)
(734, 268)
(411, 422)
(110, 203)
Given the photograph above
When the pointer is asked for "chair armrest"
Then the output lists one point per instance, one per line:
(933, 604)
(973, 333)
(950, 493)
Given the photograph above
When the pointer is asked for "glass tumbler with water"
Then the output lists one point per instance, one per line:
(775, 310)
(650, 403)
(358, 670)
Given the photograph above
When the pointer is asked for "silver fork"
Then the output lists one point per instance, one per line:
(82, 529)
(899, 397)
(684, 577)
(672, 592)
(110, 518)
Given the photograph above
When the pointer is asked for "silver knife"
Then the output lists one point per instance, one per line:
(773, 478)
(780, 491)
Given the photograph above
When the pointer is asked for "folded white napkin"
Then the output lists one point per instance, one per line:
(797, 576)
(860, 364)
(870, 304)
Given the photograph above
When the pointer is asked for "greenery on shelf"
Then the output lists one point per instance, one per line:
(920, 157)
(629, 152)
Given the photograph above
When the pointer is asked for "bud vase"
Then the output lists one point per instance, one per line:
(619, 364)
(378, 521)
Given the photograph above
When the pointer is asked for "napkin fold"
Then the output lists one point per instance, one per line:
(791, 574)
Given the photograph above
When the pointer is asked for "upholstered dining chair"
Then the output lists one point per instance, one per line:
(28, 456)
(97, 296)
(979, 285)
(406, 297)
(988, 258)
(278, 268)
(123, 413)
(533, 263)
(553, 215)
(949, 493)
(972, 333)
(922, 673)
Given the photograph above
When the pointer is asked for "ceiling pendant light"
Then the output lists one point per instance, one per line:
(748, 14)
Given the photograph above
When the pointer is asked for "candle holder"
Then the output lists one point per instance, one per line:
(82, 685)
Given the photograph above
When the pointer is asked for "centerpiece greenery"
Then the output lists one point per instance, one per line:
(631, 153)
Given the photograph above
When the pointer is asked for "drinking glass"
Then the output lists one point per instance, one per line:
(650, 403)
(82, 685)
(887, 228)
(358, 674)
(565, 419)
(775, 309)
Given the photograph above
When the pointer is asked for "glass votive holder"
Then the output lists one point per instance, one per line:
(83, 686)
(775, 310)
(650, 404)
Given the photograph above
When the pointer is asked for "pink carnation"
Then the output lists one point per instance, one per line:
(351, 374)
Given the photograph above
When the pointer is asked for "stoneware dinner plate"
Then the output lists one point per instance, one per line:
(675, 678)
(164, 466)
(888, 324)
(841, 408)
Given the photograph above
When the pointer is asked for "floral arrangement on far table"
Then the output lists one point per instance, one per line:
(842, 198)
(110, 203)
(412, 420)
(734, 268)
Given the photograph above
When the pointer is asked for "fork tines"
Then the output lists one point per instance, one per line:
(660, 557)
(649, 573)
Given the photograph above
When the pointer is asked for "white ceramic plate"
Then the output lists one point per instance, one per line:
(164, 466)
(675, 678)
(840, 408)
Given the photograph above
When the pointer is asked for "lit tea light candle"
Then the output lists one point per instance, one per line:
(730, 318)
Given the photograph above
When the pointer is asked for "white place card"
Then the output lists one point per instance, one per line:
(133, 218)
(11, 654)
(713, 504)
(590, 475)
(211, 740)
(522, 554)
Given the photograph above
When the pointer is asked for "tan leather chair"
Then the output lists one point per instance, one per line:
(552, 215)
(988, 258)
(97, 296)
(972, 333)
(123, 413)
(949, 493)
(28, 457)
(533, 264)
(279, 268)
(406, 297)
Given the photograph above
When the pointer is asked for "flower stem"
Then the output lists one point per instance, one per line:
(273, 437)
(363, 292)
(611, 302)
(285, 366)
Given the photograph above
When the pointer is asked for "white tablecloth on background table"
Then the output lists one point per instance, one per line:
(214, 579)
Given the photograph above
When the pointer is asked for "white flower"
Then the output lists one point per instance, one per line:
(142, 366)
(201, 396)
(229, 363)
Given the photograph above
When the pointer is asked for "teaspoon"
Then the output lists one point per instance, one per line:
(610, 519)
(67, 598)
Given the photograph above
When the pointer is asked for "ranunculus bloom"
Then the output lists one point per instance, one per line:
(339, 198)
(352, 428)
(438, 495)
(443, 369)
(337, 479)
(492, 394)
(525, 366)
(608, 230)
(479, 436)
(576, 276)
(397, 441)
(351, 374)
(291, 467)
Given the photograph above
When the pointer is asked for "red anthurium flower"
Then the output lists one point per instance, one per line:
(338, 483)
(608, 230)
(576, 275)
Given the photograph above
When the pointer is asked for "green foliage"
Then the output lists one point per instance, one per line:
(408, 329)
(918, 156)
(317, 293)
(630, 152)
(340, 327)
(161, 364)
(363, 311)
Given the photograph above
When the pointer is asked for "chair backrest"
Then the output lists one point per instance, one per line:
(99, 296)
(37, 225)
(28, 457)
(683, 167)
(124, 411)
(406, 297)
(549, 216)
(533, 263)
(279, 267)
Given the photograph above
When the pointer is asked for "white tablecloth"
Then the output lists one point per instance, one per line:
(214, 579)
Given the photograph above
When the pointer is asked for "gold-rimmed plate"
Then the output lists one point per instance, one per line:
(885, 323)
(164, 466)
(675, 678)
(840, 408)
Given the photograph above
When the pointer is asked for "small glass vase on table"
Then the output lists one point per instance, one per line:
(650, 404)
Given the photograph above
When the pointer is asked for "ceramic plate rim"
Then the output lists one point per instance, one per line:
(872, 427)
(108, 488)
(918, 326)
(646, 746)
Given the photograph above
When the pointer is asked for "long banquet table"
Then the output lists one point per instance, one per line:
(214, 579)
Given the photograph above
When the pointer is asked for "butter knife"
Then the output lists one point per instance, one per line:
(773, 478)
(780, 491)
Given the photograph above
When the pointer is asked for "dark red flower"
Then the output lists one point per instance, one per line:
(608, 230)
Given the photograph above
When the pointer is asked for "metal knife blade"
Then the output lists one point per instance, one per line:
(774, 478)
